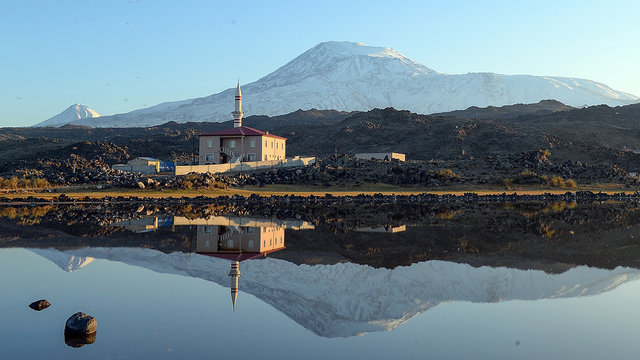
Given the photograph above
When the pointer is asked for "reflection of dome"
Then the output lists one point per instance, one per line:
(66, 262)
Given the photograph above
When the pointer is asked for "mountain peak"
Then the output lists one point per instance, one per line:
(348, 48)
(351, 76)
(70, 114)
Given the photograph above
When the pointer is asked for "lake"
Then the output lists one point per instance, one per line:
(444, 284)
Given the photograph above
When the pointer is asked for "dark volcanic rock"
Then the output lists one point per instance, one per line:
(81, 324)
(78, 340)
(39, 305)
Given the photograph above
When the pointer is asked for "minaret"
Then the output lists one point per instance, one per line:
(238, 113)
(235, 274)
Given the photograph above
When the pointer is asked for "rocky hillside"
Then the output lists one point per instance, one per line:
(537, 140)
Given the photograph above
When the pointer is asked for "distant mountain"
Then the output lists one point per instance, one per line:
(345, 300)
(72, 113)
(348, 76)
(65, 262)
(544, 107)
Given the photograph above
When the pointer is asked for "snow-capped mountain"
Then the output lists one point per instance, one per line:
(349, 299)
(351, 76)
(72, 113)
(64, 261)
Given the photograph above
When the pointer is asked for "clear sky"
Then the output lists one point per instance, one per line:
(116, 56)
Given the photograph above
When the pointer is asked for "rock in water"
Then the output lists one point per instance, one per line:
(39, 305)
(81, 324)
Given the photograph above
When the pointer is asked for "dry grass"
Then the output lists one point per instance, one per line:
(270, 190)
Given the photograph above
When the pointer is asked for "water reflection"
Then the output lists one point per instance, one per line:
(235, 239)
(347, 299)
(79, 340)
(237, 243)
(349, 296)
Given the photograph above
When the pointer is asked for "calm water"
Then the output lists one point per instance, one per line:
(295, 304)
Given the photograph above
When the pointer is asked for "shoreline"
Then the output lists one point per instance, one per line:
(234, 196)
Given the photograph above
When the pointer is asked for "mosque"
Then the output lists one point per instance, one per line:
(240, 143)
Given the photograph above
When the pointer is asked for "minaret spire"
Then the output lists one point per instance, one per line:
(234, 274)
(238, 113)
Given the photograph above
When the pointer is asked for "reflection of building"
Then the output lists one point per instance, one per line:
(232, 238)
(145, 224)
(238, 243)
(154, 222)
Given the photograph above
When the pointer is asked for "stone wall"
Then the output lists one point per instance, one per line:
(246, 166)
(142, 169)
(380, 156)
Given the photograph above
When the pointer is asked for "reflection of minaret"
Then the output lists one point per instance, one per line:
(237, 113)
(238, 243)
(235, 274)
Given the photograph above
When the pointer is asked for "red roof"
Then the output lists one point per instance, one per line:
(233, 256)
(241, 131)
(239, 256)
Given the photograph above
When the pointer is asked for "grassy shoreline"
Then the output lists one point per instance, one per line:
(272, 190)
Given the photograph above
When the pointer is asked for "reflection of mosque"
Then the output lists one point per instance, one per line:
(227, 237)
(237, 244)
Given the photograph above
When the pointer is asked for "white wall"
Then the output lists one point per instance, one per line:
(245, 166)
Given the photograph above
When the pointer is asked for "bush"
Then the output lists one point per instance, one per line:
(544, 155)
(446, 174)
(558, 181)
(571, 183)
(507, 183)
(17, 183)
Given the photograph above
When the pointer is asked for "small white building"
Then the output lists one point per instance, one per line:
(143, 165)
(381, 156)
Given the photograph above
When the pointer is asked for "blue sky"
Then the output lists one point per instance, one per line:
(117, 56)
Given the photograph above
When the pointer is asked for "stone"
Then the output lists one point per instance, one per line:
(39, 305)
(81, 323)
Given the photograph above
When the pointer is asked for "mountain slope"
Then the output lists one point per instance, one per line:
(544, 107)
(349, 76)
(72, 113)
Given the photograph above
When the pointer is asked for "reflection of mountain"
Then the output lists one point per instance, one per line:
(348, 299)
(65, 261)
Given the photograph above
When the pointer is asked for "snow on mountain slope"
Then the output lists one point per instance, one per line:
(64, 261)
(351, 76)
(348, 299)
(70, 114)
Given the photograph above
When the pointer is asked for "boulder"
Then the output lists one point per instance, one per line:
(81, 324)
(39, 305)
